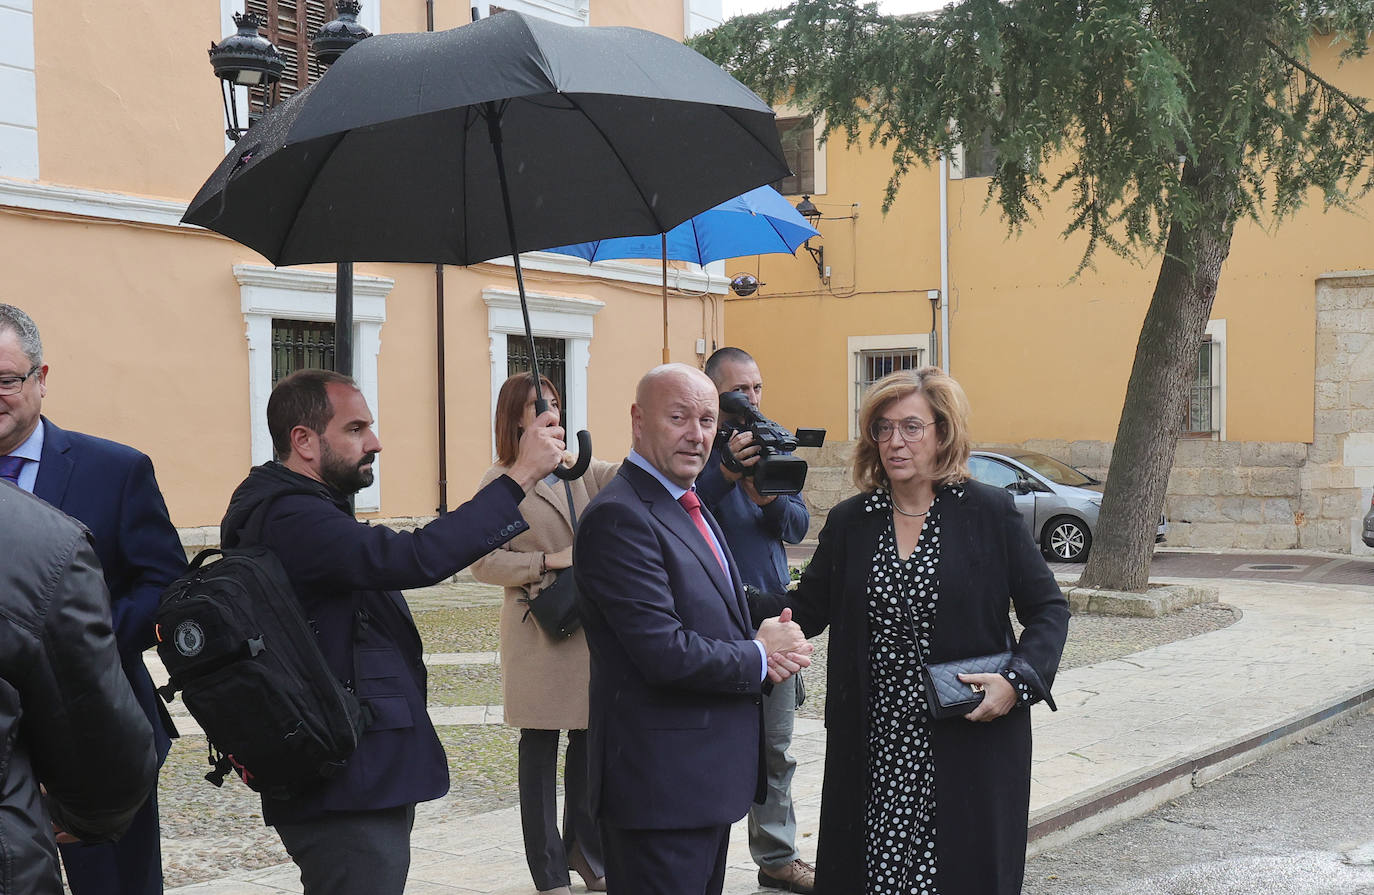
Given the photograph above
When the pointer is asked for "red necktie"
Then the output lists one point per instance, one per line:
(10, 466)
(692, 504)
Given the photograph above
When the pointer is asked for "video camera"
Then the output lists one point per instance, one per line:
(777, 472)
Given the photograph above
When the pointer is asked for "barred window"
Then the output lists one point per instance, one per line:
(301, 345)
(874, 365)
(553, 360)
(1202, 416)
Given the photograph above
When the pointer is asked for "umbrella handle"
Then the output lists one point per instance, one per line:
(584, 459)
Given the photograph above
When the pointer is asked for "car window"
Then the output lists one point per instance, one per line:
(1055, 471)
(991, 472)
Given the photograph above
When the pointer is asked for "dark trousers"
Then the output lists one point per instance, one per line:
(131, 866)
(546, 851)
(352, 852)
(665, 862)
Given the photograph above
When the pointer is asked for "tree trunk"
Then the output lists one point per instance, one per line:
(1156, 398)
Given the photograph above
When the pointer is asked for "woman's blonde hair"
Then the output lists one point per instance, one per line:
(948, 403)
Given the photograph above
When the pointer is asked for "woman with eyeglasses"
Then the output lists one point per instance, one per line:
(925, 565)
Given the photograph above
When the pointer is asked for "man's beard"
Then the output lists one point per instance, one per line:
(341, 475)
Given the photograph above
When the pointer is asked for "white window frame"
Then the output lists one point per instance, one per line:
(700, 15)
(18, 92)
(551, 316)
(857, 345)
(564, 12)
(265, 293)
(1217, 330)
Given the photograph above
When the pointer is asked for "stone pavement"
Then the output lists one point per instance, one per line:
(1130, 733)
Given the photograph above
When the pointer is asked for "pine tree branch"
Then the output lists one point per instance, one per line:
(1353, 102)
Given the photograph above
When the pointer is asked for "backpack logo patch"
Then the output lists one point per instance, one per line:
(189, 638)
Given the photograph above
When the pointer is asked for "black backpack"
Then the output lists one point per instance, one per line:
(236, 643)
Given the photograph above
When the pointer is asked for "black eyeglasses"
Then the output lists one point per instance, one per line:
(911, 429)
(12, 385)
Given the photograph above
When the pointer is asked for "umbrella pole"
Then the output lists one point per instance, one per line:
(492, 114)
(664, 243)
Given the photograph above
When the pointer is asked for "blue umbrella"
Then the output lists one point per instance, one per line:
(759, 222)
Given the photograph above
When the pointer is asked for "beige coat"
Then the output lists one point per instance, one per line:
(544, 681)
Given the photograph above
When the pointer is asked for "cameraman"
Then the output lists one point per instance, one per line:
(755, 528)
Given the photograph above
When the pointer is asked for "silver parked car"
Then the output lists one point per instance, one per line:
(1058, 503)
(1368, 533)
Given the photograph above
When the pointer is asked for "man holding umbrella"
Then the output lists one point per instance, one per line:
(350, 834)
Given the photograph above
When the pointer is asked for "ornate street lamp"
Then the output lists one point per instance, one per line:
(245, 59)
(337, 35)
(807, 209)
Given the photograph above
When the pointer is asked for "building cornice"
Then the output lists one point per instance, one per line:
(123, 207)
(134, 209)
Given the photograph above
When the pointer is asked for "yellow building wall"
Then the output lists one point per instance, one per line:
(1041, 354)
(142, 324)
(881, 267)
(127, 101)
(144, 336)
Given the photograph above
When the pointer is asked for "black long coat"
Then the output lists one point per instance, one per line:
(988, 564)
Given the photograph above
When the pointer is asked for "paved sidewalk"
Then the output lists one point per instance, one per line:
(1130, 733)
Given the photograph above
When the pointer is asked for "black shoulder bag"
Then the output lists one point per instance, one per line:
(555, 607)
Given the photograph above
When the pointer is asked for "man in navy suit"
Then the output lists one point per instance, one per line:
(677, 669)
(110, 488)
(350, 835)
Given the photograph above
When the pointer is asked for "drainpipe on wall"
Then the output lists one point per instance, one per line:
(944, 262)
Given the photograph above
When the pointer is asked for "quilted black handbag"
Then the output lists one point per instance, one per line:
(555, 607)
(946, 695)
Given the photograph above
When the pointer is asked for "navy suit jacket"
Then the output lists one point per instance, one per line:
(675, 680)
(111, 489)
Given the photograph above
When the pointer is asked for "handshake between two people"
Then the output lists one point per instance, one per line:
(786, 645)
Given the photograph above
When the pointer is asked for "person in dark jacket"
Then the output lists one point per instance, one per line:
(351, 834)
(756, 527)
(924, 565)
(68, 719)
(111, 489)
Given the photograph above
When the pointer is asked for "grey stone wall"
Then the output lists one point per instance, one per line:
(1338, 477)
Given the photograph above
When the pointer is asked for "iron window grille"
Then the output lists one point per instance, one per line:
(301, 345)
(1202, 416)
(873, 365)
(553, 359)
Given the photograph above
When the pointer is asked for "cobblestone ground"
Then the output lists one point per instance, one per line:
(209, 832)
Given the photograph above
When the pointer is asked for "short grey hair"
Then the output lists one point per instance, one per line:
(27, 331)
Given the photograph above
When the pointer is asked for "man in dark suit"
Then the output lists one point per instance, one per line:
(350, 834)
(110, 488)
(677, 668)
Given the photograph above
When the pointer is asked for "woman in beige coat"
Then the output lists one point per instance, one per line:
(544, 680)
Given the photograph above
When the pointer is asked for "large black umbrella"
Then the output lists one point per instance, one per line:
(401, 151)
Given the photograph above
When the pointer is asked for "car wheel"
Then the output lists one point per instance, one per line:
(1066, 539)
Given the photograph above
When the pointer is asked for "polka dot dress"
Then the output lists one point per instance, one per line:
(900, 815)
